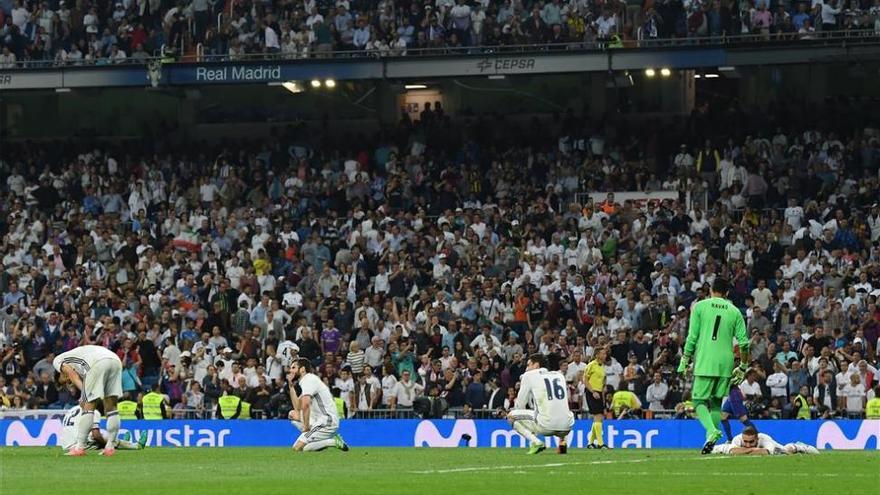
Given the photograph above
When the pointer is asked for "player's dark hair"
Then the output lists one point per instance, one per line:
(305, 363)
(539, 359)
(750, 431)
(721, 286)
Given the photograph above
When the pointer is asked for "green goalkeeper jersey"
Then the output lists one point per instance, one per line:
(715, 322)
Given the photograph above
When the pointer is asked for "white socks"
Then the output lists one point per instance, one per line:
(123, 445)
(112, 428)
(521, 428)
(319, 445)
(83, 427)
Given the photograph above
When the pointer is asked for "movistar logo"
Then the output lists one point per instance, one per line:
(830, 436)
(17, 434)
(427, 434)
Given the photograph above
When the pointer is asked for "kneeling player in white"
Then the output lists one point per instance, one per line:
(97, 372)
(547, 393)
(750, 442)
(314, 412)
(95, 440)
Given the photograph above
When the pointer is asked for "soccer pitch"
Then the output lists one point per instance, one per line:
(390, 471)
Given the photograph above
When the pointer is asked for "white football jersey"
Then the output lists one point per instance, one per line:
(547, 393)
(285, 352)
(323, 409)
(83, 358)
(68, 427)
(764, 442)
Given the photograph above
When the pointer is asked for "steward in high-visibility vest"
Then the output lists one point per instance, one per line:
(245, 410)
(153, 404)
(228, 406)
(128, 409)
(803, 407)
(872, 408)
(341, 408)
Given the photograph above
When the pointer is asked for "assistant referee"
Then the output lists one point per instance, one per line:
(594, 385)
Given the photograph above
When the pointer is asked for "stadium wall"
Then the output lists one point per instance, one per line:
(844, 434)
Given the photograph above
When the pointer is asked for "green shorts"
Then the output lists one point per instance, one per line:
(710, 387)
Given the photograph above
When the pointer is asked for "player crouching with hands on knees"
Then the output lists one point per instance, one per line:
(97, 372)
(314, 412)
(750, 442)
(548, 394)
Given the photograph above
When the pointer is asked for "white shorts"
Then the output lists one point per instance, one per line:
(528, 416)
(103, 380)
(316, 434)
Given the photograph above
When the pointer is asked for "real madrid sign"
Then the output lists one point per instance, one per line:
(239, 73)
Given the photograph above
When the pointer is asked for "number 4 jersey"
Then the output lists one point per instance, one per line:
(547, 393)
(715, 323)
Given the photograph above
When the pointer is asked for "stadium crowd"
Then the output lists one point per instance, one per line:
(105, 32)
(432, 259)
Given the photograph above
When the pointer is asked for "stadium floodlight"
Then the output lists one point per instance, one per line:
(292, 86)
(650, 72)
(697, 76)
(415, 86)
(711, 76)
(316, 83)
(330, 83)
(665, 72)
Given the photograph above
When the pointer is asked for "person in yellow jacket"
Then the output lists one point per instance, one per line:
(228, 406)
(594, 396)
(872, 408)
(153, 404)
(624, 401)
(129, 409)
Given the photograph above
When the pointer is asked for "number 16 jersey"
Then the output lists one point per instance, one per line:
(547, 393)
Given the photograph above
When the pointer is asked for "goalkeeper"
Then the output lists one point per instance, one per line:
(714, 323)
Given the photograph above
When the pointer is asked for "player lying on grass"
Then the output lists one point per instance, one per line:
(97, 372)
(314, 412)
(750, 442)
(95, 440)
(547, 392)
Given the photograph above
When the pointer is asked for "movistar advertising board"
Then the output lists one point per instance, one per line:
(852, 435)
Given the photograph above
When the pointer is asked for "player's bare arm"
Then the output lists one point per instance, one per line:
(294, 398)
(69, 375)
(748, 451)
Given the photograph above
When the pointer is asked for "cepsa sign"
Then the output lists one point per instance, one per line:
(501, 65)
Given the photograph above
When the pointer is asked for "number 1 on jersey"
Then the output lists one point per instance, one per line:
(715, 329)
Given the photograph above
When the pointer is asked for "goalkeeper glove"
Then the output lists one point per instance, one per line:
(683, 364)
(739, 374)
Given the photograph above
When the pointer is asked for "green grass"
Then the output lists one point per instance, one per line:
(245, 471)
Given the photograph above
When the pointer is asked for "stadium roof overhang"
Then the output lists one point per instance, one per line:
(407, 68)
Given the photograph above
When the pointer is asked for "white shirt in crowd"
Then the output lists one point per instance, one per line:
(655, 395)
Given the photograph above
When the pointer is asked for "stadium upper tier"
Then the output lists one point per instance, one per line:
(51, 33)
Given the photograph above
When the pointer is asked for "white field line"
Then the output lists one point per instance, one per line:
(525, 466)
(560, 464)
